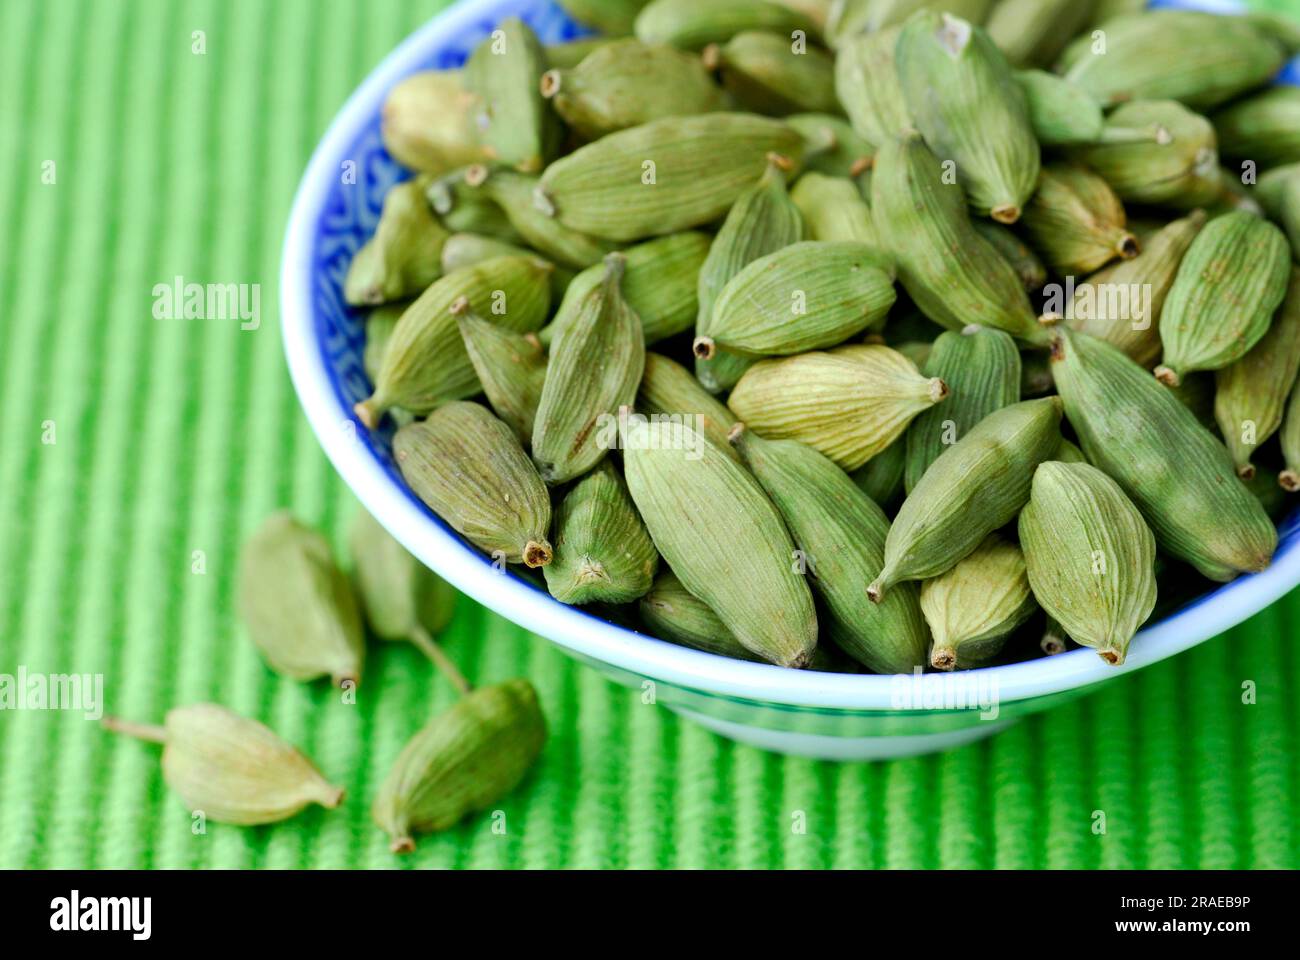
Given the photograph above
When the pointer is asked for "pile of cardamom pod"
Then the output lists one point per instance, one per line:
(873, 334)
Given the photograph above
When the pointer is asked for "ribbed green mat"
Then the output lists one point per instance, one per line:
(175, 436)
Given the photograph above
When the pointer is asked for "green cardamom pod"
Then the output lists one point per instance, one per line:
(428, 125)
(231, 769)
(510, 366)
(470, 249)
(602, 549)
(722, 536)
(982, 370)
(1054, 639)
(866, 83)
(461, 762)
(835, 150)
(463, 208)
(972, 607)
(1229, 284)
(1289, 479)
(1068, 452)
(1075, 220)
(664, 176)
(627, 83)
(1201, 59)
(673, 613)
(504, 73)
(513, 193)
(1278, 192)
(1176, 472)
(668, 388)
(964, 99)
(425, 363)
(833, 210)
(1034, 32)
(1091, 556)
(1122, 304)
(1250, 394)
(849, 403)
(802, 297)
(1266, 486)
(380, 324)
(976, 486)
(297, 605)
(402, 598)
(691, 25)
(1158, 152)
(885, 13)
(1028, 266)
(659, 283)
(1264, 127)
(569, 53)
(762, 220)
(1059, 112)
(470, 469)
(595, 366)
(881, 477)
(951, 272)
(841, 534)
(775, 73)
(613, 17)
(404, 255)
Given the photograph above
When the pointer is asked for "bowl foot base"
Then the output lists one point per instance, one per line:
(822, 747)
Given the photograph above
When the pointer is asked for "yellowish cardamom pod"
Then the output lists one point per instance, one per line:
(230, 769)
(849, 403)
(298, 605)
(1075, 220)
(974, 606)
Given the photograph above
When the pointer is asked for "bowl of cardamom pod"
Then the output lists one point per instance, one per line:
(853, 377)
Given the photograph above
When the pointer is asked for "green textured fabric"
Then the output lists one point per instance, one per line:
(176, 436)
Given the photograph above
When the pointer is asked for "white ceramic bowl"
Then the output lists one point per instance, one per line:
(836, 716)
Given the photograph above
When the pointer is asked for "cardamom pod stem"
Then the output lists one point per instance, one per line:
(972, 607)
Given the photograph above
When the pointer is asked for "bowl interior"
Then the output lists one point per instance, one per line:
(337, 210)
